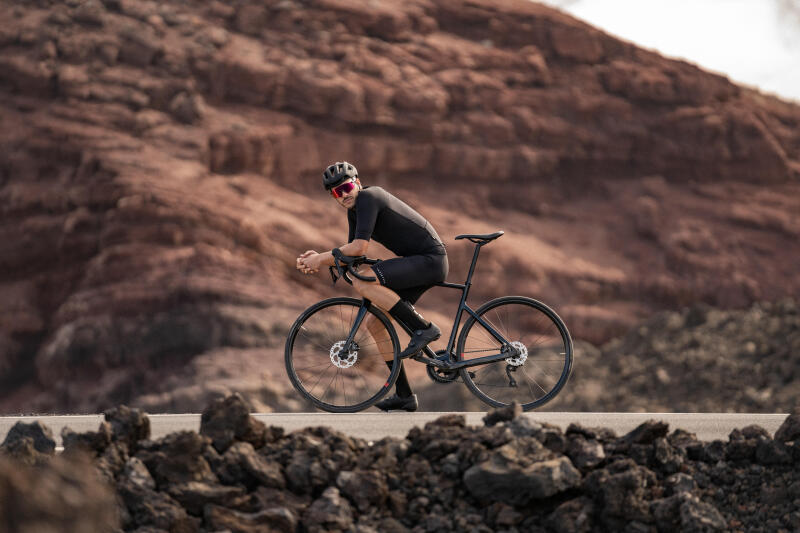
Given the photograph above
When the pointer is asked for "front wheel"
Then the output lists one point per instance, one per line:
(539, 349)
(330, 377)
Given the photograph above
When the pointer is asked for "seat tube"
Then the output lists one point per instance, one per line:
(464, 294)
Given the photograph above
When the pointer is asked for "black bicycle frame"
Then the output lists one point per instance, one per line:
(462, 306)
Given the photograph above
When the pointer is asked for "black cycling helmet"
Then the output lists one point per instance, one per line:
(337, 173)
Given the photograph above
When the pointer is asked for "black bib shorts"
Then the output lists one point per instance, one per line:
(411, 276)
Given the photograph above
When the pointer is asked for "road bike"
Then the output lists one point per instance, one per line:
(511, 349)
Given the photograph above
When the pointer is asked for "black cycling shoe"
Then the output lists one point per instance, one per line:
(420, 339)
(398, 403)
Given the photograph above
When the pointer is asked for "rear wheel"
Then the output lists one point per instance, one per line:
(539, 352)
(324, 373)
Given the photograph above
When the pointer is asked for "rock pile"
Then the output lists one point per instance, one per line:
(512, 474)
(699, 359)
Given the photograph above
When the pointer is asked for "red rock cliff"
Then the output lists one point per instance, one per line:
(160, 161)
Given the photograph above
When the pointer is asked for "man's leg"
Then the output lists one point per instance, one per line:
(423, 332)
(384, 344)
(385, 298)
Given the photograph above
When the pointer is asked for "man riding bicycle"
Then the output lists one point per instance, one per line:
(372, 212)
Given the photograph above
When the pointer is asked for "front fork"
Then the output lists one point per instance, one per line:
(362, 312)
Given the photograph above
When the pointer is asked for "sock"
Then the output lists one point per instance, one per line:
(405, 313)
(402, 387)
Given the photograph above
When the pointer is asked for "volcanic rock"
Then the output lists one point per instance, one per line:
(277, 519)
(60, 495)
(364, 488)
(148, 507)
(330, 512)
(195, 495)
(40, 434)
(790, 429)
(622, 490)
(128, 426)
(177, 458)
(228, 419)
(137, 473)
(93, 441)
(504, 414)
(505, 476)
(572, 516)
(243, 465)
(488, 482)
(585, 453)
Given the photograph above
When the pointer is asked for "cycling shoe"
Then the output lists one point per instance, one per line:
(420, 339)
(398, 403)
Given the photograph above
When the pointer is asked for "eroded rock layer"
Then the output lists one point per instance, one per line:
(159, 166)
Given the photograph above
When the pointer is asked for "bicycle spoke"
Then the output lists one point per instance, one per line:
(321, 347)
(546, 357)
(330, 386)
(344, 391)
(534, 381)
(544, 370)
(503, 329)
(312, 366)
(363, 381)
(325, 392)
(318, 380)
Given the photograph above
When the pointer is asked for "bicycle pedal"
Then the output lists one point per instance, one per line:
(471, 375)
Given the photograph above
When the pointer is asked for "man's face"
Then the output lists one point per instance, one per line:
(347, 199)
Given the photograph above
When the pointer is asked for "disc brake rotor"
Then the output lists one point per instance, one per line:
(343, 360)
(521, 357)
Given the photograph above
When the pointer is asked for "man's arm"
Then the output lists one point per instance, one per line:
(311, 261)
(357, 247)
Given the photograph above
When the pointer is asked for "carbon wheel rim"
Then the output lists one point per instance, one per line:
(360, 377)
(531, 378)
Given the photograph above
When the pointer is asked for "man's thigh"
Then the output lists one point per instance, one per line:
(406, 272)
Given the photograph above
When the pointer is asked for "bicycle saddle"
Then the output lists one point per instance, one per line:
(481, 238)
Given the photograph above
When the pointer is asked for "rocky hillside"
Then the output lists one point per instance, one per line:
(512, 474)
(699, 359)
(159, 172)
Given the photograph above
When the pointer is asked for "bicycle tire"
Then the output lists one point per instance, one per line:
(323, 326)
(552, 345)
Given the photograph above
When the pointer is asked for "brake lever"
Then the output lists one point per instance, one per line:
(359, 276)
(337, 260)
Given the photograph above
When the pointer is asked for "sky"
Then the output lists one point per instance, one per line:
(753, 42)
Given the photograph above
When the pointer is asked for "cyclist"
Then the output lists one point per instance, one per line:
(374, 213)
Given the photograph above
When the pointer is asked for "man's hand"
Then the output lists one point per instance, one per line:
(308, 262)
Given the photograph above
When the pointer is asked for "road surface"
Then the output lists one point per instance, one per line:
(374, 426)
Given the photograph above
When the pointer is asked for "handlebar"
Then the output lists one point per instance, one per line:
(345, 265)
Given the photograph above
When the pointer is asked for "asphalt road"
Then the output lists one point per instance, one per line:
(374, 426)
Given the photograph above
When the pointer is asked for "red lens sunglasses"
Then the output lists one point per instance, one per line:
(344, 188)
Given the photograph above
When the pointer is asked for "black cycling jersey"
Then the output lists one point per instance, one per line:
(379, 215)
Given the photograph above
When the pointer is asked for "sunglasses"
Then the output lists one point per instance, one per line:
(344, 188)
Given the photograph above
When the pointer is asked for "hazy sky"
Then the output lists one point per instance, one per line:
(751, 41)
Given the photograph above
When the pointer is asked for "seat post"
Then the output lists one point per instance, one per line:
(472, 266)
